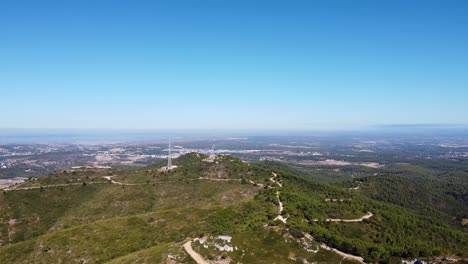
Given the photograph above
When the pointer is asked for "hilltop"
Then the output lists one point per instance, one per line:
(213, 209)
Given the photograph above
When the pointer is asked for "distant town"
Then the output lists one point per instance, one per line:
(26, 160)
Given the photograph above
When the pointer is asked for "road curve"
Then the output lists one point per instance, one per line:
(49, 186)
(193, 254)
(109, 179)
(360, 219)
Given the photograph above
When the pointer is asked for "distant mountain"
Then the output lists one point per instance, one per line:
(415, 128)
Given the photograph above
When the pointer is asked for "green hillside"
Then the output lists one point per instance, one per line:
(255, 214)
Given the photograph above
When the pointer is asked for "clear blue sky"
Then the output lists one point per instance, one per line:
(224, 64)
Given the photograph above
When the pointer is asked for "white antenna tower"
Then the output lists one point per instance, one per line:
(169, 157)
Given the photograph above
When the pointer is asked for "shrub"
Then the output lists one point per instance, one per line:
(295, 232)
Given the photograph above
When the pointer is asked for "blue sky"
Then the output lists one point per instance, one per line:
(232, 64)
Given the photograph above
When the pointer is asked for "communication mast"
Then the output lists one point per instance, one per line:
(169, 157)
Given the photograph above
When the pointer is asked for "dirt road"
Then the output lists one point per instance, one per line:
(195, 256)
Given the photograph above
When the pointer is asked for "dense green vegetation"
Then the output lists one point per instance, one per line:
(431, 192)
(421, 211)
(393, 231)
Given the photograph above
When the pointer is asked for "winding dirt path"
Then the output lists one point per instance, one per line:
(258, 184)
(280, 204)
(215, 179)
(109, 178)
(280, 209)
(273, 179)
(360, 219)
(50, 186)
(193, 254)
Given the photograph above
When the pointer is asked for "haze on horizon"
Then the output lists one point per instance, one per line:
(232, 64)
